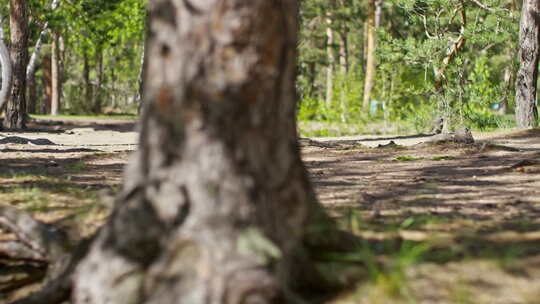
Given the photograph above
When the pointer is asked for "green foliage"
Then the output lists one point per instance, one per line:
(345, 106)
(482, 93)
(418, 75)
(472, 79)
(89, 30)
(414, 41)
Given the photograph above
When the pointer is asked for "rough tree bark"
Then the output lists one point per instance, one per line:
(16, 106)
(217, 200)
(527, 75)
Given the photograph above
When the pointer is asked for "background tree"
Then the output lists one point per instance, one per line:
(372, 23)
(434, 58)
(5, 62)
(16, 106)
(450, 60)
(331, 59)
(527, 76)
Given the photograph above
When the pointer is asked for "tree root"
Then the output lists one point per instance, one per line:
(19, 251)
(41, 252)
(57, 289)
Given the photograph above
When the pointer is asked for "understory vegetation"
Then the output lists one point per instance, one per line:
(432, 58)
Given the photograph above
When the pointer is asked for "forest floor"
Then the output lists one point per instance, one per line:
(441, 222)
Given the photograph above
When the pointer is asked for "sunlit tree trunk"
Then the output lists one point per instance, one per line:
(344, 70)
(331, 60)
(527, 75)
(143, 65)
(373, 14)
(5, 61)
(216, 200)
(61, 70)
(16, 106)
(55, 75)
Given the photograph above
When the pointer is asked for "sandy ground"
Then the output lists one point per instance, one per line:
(95, 135)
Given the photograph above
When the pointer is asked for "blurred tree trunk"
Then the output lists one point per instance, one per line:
(509, 71)
(331, 60)
(7, 74)
(441, 123)
(312, 74)
(373, 15)
(55, 75)
(61, 70)
(97, 101)
(140, 97)
(34, 58)
(47, 84)
(86, 78)
(16, 106)
(217, 200)
(112, 69)
(32, 94)
(344, 52)
(527, 75)
(143, 61)
(343, 44)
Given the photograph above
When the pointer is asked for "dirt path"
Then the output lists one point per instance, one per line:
(476, 208)
(96, 135)
(442, 223)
